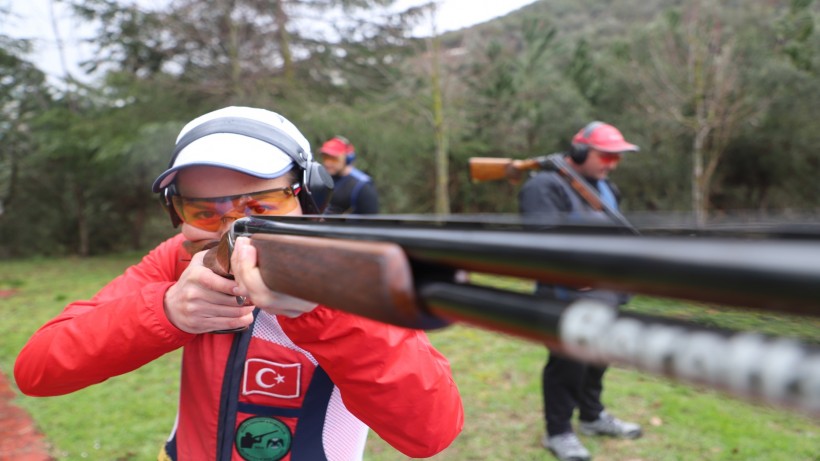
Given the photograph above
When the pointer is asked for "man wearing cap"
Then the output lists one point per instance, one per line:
(568, 384)
(353, 190)
(291, 380)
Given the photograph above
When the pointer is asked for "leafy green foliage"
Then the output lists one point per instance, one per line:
(515, 87)
(23, 94)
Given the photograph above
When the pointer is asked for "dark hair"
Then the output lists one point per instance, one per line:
(293, 175)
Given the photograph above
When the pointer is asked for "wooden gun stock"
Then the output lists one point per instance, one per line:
(495, 169)
(370, 279)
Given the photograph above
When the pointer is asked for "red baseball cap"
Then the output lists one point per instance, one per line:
(603, 137)
(337, 147)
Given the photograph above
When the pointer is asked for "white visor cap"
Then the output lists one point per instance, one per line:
(234, 151)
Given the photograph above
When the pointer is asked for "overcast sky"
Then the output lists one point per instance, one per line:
(33, 19)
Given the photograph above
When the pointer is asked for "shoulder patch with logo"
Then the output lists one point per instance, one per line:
(263, 439)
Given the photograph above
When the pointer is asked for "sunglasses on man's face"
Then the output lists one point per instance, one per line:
(609, 157)
(208, 213)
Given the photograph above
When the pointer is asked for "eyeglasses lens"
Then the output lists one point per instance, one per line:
(610, 158)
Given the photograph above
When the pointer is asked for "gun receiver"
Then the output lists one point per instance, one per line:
(401, 271)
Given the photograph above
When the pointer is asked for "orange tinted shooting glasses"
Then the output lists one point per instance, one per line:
(208, 213)
(610, 157)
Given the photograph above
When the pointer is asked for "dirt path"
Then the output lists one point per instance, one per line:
(19, 438)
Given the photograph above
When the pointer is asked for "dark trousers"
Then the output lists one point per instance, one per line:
(569, 384)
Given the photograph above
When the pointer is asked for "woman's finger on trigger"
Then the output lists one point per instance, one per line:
(246, 271)
(239, 257)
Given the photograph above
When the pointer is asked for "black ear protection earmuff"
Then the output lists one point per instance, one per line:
(165, 200)
(315, 179)
(579, 152)
(350, 157)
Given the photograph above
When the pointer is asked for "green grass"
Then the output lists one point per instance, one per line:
(128, 417)
(125, 418)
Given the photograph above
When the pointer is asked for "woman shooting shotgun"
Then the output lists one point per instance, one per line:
(297, 381)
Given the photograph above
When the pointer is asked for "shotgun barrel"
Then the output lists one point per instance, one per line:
(762, 368)
(765, 272)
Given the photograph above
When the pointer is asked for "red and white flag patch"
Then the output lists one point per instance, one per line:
(273, 379)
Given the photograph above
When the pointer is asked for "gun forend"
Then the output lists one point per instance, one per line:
(371, 279)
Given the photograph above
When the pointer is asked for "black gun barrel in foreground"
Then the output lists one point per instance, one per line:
(402, 270)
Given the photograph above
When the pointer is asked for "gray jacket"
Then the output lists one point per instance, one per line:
(548, 195)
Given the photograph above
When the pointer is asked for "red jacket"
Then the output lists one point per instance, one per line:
(300, 389)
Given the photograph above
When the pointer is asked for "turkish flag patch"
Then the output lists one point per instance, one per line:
(272, 379)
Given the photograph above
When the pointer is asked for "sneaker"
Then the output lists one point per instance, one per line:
(566, 447)
(607, 424)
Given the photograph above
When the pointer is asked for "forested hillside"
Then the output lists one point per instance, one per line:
(722, 97)
(731, 82)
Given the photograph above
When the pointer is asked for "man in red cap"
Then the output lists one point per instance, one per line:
(353, 190)
(569, 384)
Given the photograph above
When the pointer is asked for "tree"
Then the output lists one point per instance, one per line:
(235, 50)
(23, 94)
(794, 32)
(440, 128)
(688, 72)
(518, 103)
(774, 160)
(127, 38)
(427, 70)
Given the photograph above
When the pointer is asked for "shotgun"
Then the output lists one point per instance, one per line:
(402, 271)
(492, 169)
